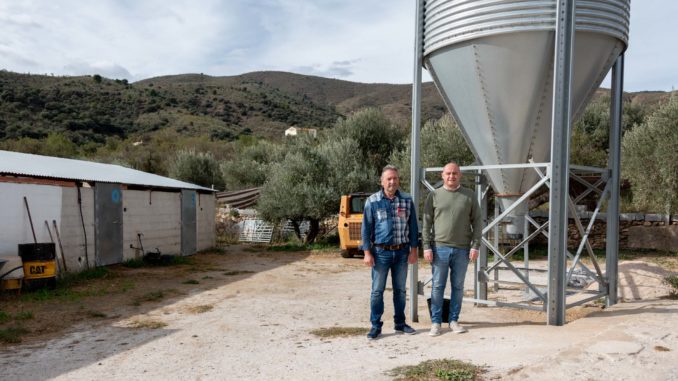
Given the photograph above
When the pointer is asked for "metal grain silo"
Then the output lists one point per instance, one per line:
(515, 73)
(492, 61)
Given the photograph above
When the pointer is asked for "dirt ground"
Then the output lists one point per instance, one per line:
(249, 313)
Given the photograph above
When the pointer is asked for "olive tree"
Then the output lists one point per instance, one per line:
(250, 166)
(590, 135)
(196, 167)
(347, 172)
(377, 137)
(296, 190)
(441, 142)
(649, 160)
(591, 131)
(308, 183)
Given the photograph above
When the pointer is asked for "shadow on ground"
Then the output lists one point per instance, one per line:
(63, 325)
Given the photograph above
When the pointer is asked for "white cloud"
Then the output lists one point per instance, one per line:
(106, 69)
(357, 40)
(376, 38)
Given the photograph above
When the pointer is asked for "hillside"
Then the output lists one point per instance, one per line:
(90, 109)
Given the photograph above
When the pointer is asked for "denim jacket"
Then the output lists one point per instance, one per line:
(389, 222)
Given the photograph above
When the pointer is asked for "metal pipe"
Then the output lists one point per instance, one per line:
(526, 249)
(481, 263)
(49, 231)
(518, 273)
(30, 219)
(495, 233)
(588, 169)
(523, 268)
(559, 170)
(584, 239)
(416, 122)
(515, 204)
(51, 238)
(586, 300)
(517, 247)
(503, 304)
(614, 163)
(61, 248)
(82, 220)
(469, 168)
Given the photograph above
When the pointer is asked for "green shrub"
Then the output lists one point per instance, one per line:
(12, 335)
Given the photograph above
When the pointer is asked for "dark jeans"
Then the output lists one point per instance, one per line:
(396, 262)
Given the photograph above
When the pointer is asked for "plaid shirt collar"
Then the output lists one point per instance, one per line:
(382, 195)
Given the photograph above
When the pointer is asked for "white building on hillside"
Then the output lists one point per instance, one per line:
(294, 131)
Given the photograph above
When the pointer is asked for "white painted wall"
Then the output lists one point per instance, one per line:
(44, 202)
(156, 215)
(205, 219)
(73, 235)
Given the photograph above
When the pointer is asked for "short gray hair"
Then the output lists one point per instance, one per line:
(390, 167)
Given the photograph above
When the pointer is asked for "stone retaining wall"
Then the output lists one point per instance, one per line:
(636, 231)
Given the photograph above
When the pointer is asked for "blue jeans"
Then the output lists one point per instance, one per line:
(396, 261)
(444, 259)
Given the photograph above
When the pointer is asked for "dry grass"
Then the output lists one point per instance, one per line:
(672, 281)
(200, 309)
(667, 262)
(150, 324)
(237, 272)
(96, 314)
(579, 312)
(444, 369)
(94, 296)
(339, 332)
(152, 296)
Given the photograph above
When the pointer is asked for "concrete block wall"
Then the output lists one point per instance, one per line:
(44, 202)
(73, 236)
(156, 215)
(205, 218)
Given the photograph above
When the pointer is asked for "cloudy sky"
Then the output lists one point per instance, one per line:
(355, 40)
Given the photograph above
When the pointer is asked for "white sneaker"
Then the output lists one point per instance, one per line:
(435, 329)
(457, 328)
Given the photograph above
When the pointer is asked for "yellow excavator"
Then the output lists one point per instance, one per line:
(350, 221)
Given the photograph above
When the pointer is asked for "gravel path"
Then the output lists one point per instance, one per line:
(258, 328)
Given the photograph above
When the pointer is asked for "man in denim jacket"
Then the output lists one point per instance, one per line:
(390, 240)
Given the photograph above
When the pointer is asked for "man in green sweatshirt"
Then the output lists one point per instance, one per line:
(451, 235)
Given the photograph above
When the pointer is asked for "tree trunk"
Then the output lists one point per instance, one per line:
(667, 218)
(313, 229)
(297, 230)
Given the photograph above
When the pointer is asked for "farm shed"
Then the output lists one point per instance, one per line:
(103, 213)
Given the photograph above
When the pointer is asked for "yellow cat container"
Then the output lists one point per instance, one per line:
(39, 262)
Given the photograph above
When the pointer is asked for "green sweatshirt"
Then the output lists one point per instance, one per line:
(452, 218)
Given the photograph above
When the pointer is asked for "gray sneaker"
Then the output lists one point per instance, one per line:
(457, 328)
(435, 330)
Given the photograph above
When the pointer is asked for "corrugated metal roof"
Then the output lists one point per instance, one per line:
(239, 199)
(23, 164)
